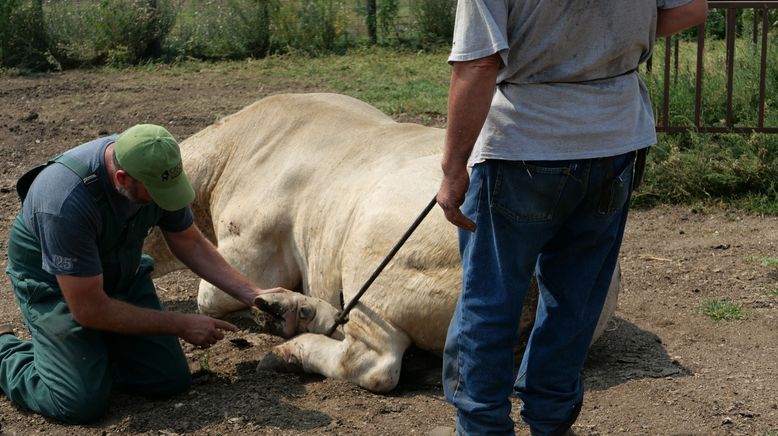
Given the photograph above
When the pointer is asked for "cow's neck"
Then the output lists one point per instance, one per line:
(204, 163)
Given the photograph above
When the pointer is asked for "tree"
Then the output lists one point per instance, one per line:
(370, 20)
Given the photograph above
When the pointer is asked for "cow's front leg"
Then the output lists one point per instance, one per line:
(291, 313)
(376, 369)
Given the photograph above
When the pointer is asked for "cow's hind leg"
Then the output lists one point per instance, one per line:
(377, 370)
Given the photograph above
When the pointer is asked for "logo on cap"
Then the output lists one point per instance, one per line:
(172, 173)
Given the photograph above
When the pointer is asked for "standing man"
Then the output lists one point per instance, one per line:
(546, 106)
(84, 287)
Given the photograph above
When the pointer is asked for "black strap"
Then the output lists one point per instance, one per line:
(88, 177)
(606, 190)
(640, 168)
(572, 82)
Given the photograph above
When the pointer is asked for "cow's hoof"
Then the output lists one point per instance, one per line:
(284, 312)
(273, 362)
(272, 305)
(291, 314)
(268, 323)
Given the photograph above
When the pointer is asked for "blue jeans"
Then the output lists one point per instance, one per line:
(564, 221)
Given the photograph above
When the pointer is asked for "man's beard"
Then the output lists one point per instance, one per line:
(130, 194)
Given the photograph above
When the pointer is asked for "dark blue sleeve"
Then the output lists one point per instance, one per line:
(176, 221)
(68, 238)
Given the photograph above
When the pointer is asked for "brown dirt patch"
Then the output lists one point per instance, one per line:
(661, 368)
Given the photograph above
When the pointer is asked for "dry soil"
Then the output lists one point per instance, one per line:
(662, 367)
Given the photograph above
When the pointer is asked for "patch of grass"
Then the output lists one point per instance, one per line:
(714, 95)
(724, 310)
(396, 82)
(773, 292)
(740, 170)
(205, 363)
(769, 261)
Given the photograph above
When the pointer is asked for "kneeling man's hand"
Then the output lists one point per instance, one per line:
(204, 331)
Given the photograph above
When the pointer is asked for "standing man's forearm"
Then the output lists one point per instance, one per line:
(470, 97)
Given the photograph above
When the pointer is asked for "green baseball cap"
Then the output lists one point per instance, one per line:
(150, 154)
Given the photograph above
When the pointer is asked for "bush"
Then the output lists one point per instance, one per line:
(116, 32)
(436, 20)
(217, 30)
(313, 26)
(388, 11)
(255, 23)
(23, 42)
(690, 167)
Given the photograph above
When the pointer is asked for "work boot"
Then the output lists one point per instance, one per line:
(566, 429)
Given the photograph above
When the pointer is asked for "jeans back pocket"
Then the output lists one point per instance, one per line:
(529, 192)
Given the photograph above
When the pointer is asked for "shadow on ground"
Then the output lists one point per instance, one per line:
(625, 352)
(254, 399)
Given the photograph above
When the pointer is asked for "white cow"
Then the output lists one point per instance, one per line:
(310, 192)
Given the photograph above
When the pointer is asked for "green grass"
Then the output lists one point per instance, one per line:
(205, 363)
(714, 95)
(412, 83)
(398, 82)
(773, 292)
(741, 170)
(768, 261)
(724, 310)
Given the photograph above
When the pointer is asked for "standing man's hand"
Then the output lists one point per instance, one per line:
(451, 195)
(203, 331)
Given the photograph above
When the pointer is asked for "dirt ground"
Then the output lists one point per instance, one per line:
(662, 367)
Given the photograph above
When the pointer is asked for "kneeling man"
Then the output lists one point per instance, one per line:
(84, 286)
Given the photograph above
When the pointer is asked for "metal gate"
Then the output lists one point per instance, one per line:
(761, 28)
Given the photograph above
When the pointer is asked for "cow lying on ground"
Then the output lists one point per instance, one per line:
(310, 192)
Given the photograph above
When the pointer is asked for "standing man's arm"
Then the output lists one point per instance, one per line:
(670, 21)
(199, 254)
(470, 97)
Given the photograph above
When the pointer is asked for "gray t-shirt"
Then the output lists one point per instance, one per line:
(568, 87)
(62, 214)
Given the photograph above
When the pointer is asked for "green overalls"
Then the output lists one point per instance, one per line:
(67, 371)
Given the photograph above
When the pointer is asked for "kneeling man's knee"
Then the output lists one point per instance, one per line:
(83, 408)
(177, 382)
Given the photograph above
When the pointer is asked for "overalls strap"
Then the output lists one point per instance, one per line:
(82, 171)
